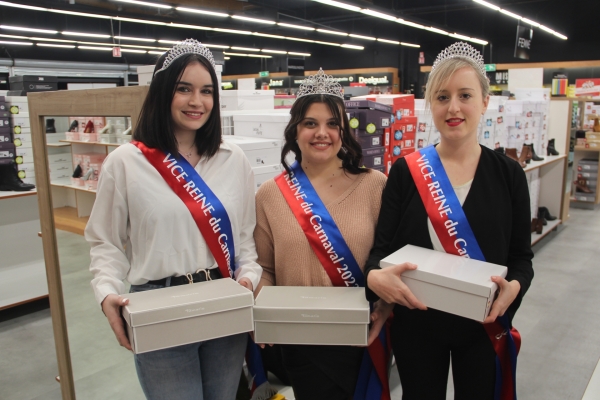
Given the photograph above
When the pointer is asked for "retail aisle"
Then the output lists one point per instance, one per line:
(559, 321)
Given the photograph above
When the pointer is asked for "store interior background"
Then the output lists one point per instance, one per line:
(557, 365)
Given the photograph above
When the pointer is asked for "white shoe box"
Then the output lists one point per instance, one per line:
(269, 126)
(173, 316)
(449, 283)
(23, 141)
(260, 152)
(247, 100)
(311, 315)
(263, 174)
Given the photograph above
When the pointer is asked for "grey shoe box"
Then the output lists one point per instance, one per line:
(445, 282)
(311, 315)
(178, 315)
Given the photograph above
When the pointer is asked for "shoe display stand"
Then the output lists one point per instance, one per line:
(581, 152)
(22, 269)
(111, 102)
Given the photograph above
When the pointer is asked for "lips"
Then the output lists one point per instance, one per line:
(320, 145)
(193, 114)
(454, 121)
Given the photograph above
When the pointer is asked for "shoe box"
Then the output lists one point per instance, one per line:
(265, 125)
(247, 100)
(259, 151)
(587, 165)
(370, 141)
(7, 153)
(33, 83)
(402, 137)
(263, 174)
(18, 106)
(368, 115)
(403, 106)
(25, 171)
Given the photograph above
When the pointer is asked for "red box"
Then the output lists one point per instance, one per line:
(404, 153)
(404, 106)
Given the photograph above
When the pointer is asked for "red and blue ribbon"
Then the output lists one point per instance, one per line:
(456, 236)
(339, 263)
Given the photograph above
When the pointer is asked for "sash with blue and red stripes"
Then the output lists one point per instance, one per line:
(339, 263)
(213, 222)
(456, 236)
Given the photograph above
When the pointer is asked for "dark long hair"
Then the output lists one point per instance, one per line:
(155, 125)
(350, 153)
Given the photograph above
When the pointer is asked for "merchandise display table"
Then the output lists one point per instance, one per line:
(22, 268)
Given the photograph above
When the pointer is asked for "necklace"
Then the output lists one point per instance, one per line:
(190, 151)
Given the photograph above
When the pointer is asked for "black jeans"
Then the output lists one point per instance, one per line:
(322, 372)
(423, 342)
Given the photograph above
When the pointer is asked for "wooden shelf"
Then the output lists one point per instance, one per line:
(66, 219)
(67, 184)
(12, 195)
(54, 144)
(547, 160)
(536, 237)
(582, 148)
(90, 143)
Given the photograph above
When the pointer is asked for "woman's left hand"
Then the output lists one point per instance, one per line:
(381, 313)
(508, 294)
(245, 282)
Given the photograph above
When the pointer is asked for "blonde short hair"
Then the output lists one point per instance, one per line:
(444, 71)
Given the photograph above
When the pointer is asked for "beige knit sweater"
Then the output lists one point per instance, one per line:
(283, 250)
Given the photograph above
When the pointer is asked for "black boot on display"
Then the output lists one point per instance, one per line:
(74, 126)
(499, 150)
(9, 181)
(534, 156)
(551, 149)
(541, 217)
(50, 126)
(546, 214)
(77, 172)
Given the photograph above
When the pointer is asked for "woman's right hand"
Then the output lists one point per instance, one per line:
(111, 307)
(388, 285)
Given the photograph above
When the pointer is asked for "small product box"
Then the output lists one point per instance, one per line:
(311, 315)
(7, 152)
(446, 282)
(373, 161)
(587, 165)
(23, 141)
(367, 104)
(592, 135)
(5, 122)
(247, 100)
(173, 316)
(33, 83)
(17, 105)
(585, 197)
(404, 106)
(259, 151)
(369, 120)
(263, 174)
(5, 137)
(268, 126)
(20, 124)
(374, 151)
(367, 142)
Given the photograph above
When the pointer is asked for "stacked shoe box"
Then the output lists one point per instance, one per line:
(260, 136)
(586, 180)
(404, 127)
(21, 136)
(369, 121)
(7, 148)
(592, 140)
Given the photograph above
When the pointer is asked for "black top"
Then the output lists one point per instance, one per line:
(497, 207)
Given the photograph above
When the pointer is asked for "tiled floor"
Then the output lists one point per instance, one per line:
(559, 321)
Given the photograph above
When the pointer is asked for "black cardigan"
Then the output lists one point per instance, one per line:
(497, 207)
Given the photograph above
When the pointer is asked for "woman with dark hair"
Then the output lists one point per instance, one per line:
(142, 231)
(327, 179)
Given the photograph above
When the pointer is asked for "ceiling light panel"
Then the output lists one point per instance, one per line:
(203, 12)
(144, 3)
(339, 4)
(362, 37)
(306, 28)
(387, 41)
(332, 32)
(244, 48)
(273, 51)
(257, 20)
(95, 48)
(98, 35)
(293, 53)
(237, 32)
(65, 46)
(379, 14)
(25, 29)
(134, 39)
(8, 4)
(9, 42)
(352, 46)
(489, 5)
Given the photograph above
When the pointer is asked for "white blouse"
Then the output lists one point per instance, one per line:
(461, 192)
(140, 230)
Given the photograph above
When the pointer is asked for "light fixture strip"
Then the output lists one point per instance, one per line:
(520, 18)
(306, 28)
(145, 3)
(203, 12)
(84, 34)
(257, 20)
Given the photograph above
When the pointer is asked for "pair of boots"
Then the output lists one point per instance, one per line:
(543, 215)
(527, 154)
(581, 186)
(9, 180)
(551, 149)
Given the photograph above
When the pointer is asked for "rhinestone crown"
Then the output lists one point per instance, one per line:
(188, 46)
(320, 83)
(464, 51)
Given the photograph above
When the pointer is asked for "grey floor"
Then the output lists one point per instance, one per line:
(559, 322)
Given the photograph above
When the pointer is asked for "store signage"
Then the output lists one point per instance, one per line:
(499, 77)
(116, 52)
(381, 79)
(263, 74)
(295, 66)
(523, 42)
(587, 87)
(490, 67)
(421, 57)
(274, 83)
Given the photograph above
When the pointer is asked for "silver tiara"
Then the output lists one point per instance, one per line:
(320, 83)
(464, 51)
(188, 46)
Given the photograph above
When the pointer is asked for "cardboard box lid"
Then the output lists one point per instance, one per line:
(307, 304)
(185, 301)
(264, 118)
(447, 270)
(240, 93)
(253, 143)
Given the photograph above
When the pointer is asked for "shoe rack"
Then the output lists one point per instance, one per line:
(22, 270)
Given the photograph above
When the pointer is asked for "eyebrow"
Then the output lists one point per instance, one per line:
(189, 84)
(445, 90)
(314, 119)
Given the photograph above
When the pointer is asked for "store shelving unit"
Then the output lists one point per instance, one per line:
(22, 270)
(117, 102)
(580, 153)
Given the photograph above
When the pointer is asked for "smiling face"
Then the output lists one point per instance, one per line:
(458, 104)
(318, 135)
(193, 100)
